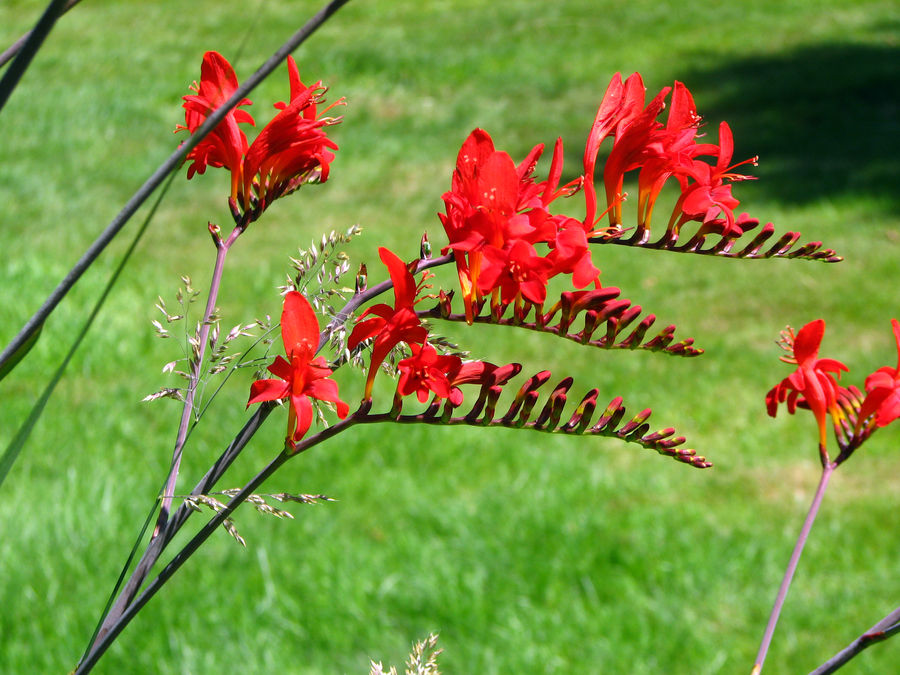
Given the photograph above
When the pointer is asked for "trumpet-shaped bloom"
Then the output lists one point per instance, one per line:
(494, 205)
(709, 195)
(883, 390)
(660, 152)
(226, 145)
(515, 270)
(301, 376)
(390, 325)
(427, 371)
(291, 150)
(812, 380)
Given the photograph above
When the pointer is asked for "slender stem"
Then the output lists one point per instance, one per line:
(156, 546)
(888, 626)
(116, 627)
(222, 248)
(29, 48)
(827, 470)
(173, 162)
(16, 46)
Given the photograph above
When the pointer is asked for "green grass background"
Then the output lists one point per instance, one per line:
(528, 553)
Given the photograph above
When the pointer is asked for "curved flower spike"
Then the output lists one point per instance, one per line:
(302, 377)
(812, 379)
(883, 390)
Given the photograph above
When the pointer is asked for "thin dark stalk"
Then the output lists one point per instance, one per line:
(20, 439)
(156, 546)
(28, 49)
(102, 644)
(169, 165)
(16, 46)
(128, 602)
(887, 627)
(827, 470)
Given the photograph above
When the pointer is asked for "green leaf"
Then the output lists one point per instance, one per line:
(13, 359)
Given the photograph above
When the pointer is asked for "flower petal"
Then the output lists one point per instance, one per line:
(299, 325)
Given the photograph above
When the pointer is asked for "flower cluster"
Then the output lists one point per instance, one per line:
(496, 213)
(426, 371)
(814, 386)
(291, 150)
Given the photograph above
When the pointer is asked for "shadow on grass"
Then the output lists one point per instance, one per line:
(823, 120)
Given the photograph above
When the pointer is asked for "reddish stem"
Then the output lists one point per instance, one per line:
(222, 248)
(827, 470)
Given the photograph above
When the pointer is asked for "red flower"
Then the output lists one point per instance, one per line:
(620, 104)
(515, 270)
(571, 254)
(226, 145)
(883, 390)
(811, 380)
(710, 196)
(291, 150)
(427, 371)
(302, 376)
(659, 152)
(494, 203)
(390, 325)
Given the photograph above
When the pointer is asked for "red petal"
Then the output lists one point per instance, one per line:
(404, 283)
(327, 390)
(806, 344)
(726, 147)
(299, 325)
(303, 408)
(267, 390)
(499, 183)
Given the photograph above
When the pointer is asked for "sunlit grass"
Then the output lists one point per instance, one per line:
(527, 552)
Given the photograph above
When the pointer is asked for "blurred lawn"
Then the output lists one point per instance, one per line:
(528, 553)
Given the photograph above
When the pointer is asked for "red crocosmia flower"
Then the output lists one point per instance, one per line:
(390, 325)
(494, 202)
(710, 196)
(226, 145)
(292, 149)
(302, 377)
(631, 149)
(427, 371)
(883, 390)
(571, 254)
(812, 379)
(515, 270)
(670, 150)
